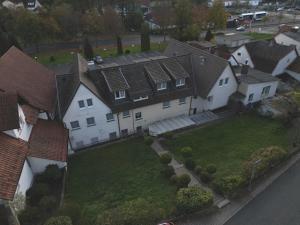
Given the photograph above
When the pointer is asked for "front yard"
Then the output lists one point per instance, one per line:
(104, 178)
(229, 143)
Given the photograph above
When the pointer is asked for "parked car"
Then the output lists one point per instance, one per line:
(241, 28)
(98, 59)
(167, 223)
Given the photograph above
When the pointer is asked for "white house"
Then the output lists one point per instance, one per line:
(268, 57)
(232, 40)
(288, 39)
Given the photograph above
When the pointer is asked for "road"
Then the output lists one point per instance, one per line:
(279, 204)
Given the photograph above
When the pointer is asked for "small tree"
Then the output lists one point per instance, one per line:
(145, 38)
(119, 45)
(88, 49)
(208, 35)
(217, 15)
(59, 220)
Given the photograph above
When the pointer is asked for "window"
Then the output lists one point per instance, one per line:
(246, 62)
(120, 94)
(265, 91)
(162, 86)
(221, 82)
(112, 135)
(182, 101)
(110, 117)
(239, 54)
(81, 104)
(75, 125)
(94, 140)
(226, 80)
(180, 82)
(250, 98)
(210, 98)
(166, 104)
(126, 114)
(124, 132)
(141, 98)
(138, 116)
(90, 121)
(89, 102)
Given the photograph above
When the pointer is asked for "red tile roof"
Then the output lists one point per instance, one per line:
(9, 116)
(49, 140)
(31, 114)
(33, 82)
(12, 156)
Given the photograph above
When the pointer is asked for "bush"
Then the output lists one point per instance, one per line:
(168, 135)
(36, 192)
(168, 171)
(30, 216)
(127, 51)
(206, 177)
(211, 168)
(193, 199)
(135, 212)
(228, 186)
(59, 220)
(73, 210)
(48, 203)
(51, 175)
(183, 180)
(174, 179)
(166, 158)
(186, 152)
(148, 140)
(198, 170)
(190, 164)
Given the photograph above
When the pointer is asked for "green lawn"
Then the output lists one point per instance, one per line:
(66, 56)
(229, 143)
(104, 178)
(260, 36)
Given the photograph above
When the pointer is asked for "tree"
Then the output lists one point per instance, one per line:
(183, 14)
(208, 35)
(119, 45)
(200, 15)
(92, 23)
(145, 38)
(88, 49)
(133, 21)
(217, 15)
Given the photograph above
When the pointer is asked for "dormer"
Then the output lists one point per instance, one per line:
(157, 75)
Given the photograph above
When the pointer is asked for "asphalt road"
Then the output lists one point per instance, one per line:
(279, 204)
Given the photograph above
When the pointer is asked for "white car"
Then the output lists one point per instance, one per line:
(241, 28)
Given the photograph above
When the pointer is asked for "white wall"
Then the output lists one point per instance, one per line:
(284, 63)
(101, 130)
(293, 74)
(282, 39)
(256, 89)
(25, 180)
(244, 55)
(39, 165)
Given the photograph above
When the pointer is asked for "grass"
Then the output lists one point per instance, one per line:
(260, 36)
(106, 177)
(66, 56)
(229, 143)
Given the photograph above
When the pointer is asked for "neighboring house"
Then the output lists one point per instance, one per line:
(232, 40)
(102, 103)
(268, 57)
(29, 138)
(288, 38)
(204, 45)
(254, 85)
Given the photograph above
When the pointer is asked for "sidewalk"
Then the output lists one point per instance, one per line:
(224, 214)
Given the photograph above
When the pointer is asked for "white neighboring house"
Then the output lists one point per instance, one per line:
(232, 40)
(268, 57)
(288, 39)
(255, 85)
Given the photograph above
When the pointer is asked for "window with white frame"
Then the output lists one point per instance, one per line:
(75, 125)
(221, 82)
(182, 101)
(120, 94)
(161, 86)
(250, 98)
(81, 104)
(90, 121)
(89, 102)
(166, 104)
(126, 114)
(226, 80)
(110, 117)
(180, 82)
(138, 116)
(265, 91)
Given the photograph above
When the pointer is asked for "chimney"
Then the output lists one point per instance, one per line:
(244, 70)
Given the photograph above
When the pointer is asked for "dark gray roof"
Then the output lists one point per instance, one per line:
(156, 73)
(202, 44)
(293, 35)
(115, 79)
(207, 68)
(295, 66)
(266, 55)
(254, 76)
(174, 68)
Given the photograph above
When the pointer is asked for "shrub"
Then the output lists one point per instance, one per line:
(48, 203)
(168, 135)
(148, 140)
(127, 51)
(51, 175)
(198, 170)
(190, 164)
(174, 179)
(52, 58)
(29, 216)
(168, 171)
(135, 212)
(193, 199)
(36, 192)
(228, 186)
(73, 210)
(206, 177)
(186, 152)
(211, 168)
(166, 158)
(59, 220)
(183, 180)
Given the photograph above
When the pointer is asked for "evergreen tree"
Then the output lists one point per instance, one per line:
(119, 45)
(208, 35)
(145, 38)
(88, 49)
